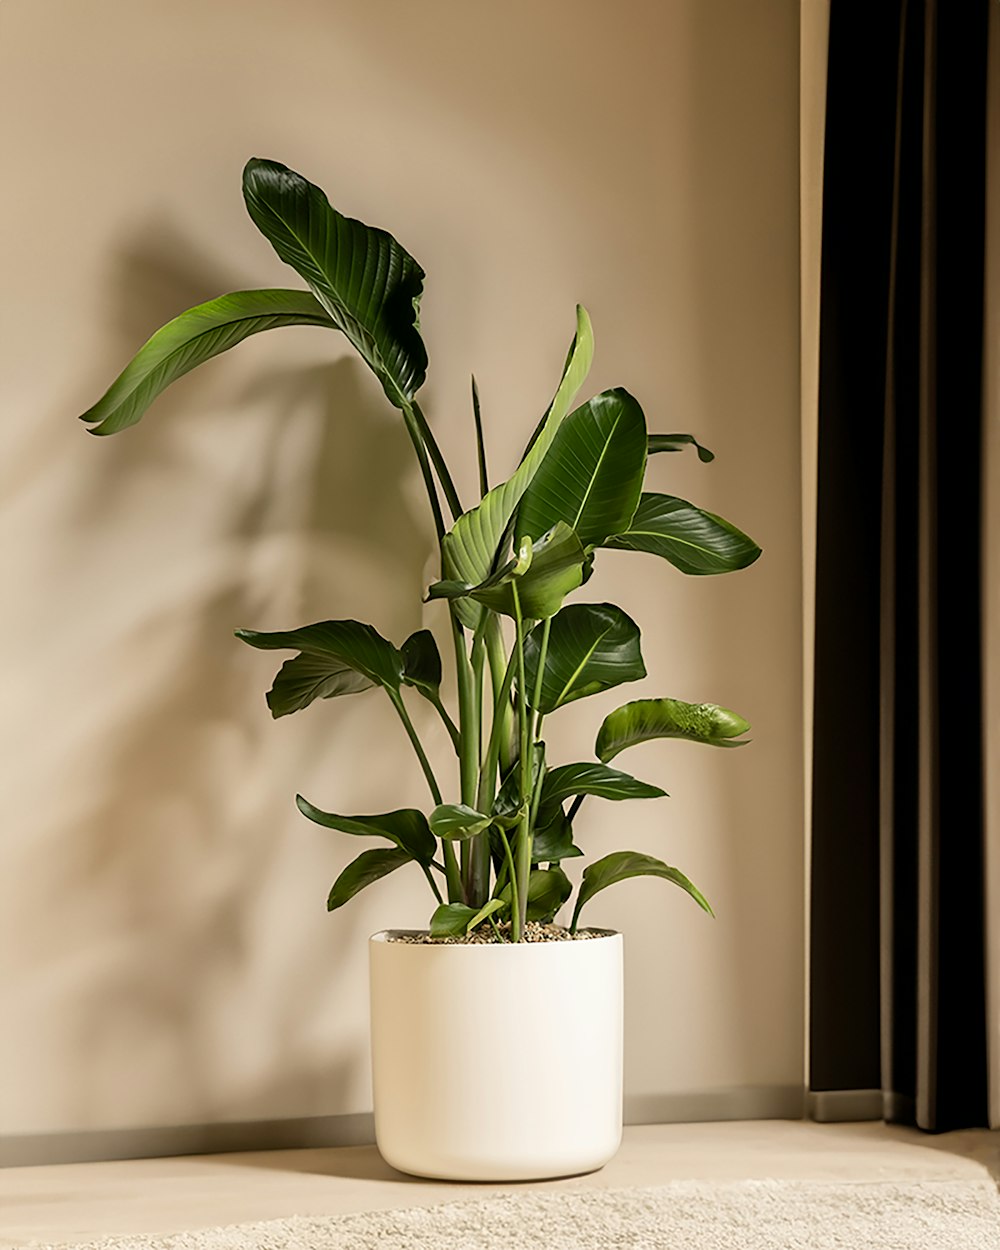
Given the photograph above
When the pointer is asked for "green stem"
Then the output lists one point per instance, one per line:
(498, 668)
(430, 442)
(449, 724)
(536, 696)
(432, 882)
(452, 873)
(514, 899)
(499, 733)
(411, 733)
(475, 851)
(523, 864)
(536, 796)
(416, 438)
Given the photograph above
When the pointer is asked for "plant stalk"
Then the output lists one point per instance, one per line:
(499, 732)
(411, 733)
(523, 860)
(444, 475)
(498, 669)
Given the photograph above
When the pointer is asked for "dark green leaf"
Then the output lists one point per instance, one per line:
(457, 821)
(469, 549)
(591, 476)
(484, 477)
(553, 840)
(508, 805)
(621, 865)
(304, 678)
(592, 647)
(668, 718)
(548, 889)
(607, 783)
(694, 541)
(422, 663)
(192, 338)
(677, 442)
(407, 827)
(456, 919)
(366, 281)
(338, 657)
(368, 867)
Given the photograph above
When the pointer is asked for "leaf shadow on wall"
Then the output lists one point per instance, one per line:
(170, 862)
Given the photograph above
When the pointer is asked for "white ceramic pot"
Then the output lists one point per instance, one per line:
(497, 1062)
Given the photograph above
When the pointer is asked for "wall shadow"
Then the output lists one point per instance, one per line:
(160, 847)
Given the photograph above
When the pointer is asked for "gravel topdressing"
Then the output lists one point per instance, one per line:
(485, 936)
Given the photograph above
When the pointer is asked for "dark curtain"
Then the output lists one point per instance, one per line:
(897, 962)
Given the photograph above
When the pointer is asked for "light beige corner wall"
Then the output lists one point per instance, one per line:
(167, 957)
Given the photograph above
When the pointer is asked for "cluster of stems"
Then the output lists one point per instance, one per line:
(512, 741)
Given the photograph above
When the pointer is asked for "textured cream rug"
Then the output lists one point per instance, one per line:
(749, 1215)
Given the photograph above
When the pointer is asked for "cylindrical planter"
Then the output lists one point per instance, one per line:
(497, 1062)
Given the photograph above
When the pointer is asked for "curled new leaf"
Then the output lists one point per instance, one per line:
(544, 573)
(621, 865)
(646, 719)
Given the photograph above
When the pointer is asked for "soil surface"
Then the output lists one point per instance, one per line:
(485, 935)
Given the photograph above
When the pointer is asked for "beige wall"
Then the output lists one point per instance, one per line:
(167, 957)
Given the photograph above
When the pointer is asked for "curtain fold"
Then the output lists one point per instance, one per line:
(898, 935)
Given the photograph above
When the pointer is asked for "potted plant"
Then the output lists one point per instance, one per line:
(456, 1095)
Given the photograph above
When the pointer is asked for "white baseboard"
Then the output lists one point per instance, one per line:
(768, 1102)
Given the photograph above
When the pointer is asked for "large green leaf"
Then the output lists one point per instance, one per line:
(192, 338)
(368, 867)
(591, 477)
(337, 657)
(677, 442)
(470, 547)
(407, 828)
(592, 647)
(586, 778)
(422, 663)
(621, 865)
(694, 541)
(646, 719)
(544, 574)
(367, 282)
(548, 889)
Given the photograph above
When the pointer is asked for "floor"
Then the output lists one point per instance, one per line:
(67, 1203)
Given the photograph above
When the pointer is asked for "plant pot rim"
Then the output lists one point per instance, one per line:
(384, 936)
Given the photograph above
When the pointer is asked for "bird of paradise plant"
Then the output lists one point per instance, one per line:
(493, 854)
